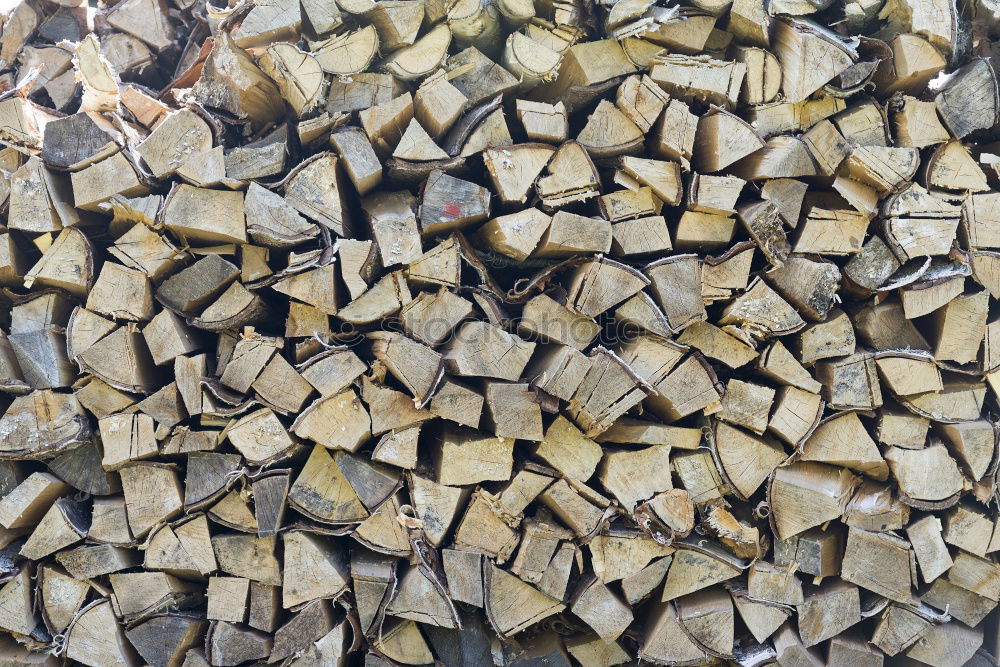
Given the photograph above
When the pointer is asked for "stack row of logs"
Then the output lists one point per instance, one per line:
(500, 332)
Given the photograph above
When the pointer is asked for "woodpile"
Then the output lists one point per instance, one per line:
(500, 332)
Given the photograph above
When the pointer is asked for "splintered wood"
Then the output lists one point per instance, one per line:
(499, 333)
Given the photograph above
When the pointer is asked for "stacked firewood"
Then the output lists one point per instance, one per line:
(501, 332)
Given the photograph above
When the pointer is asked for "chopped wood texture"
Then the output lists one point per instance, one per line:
(413, 332)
